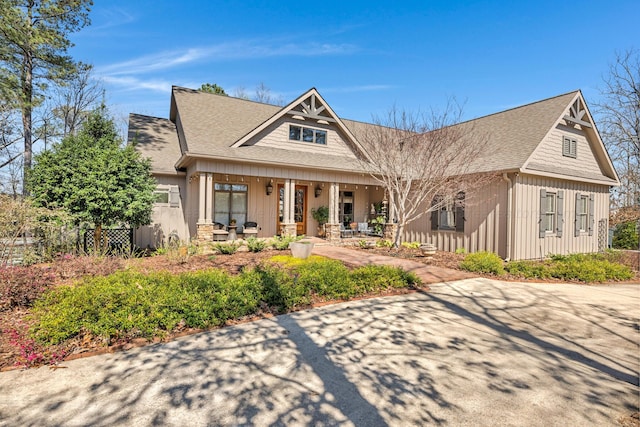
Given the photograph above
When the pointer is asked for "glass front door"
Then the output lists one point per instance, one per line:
(299, 208)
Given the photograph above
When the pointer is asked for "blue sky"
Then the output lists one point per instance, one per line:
(363, 56)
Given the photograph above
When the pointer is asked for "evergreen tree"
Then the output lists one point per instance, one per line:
(95, 178)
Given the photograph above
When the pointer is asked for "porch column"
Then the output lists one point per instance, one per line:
(287, 202)
(209, 202)
(288, 225)
(333, 226)
(202, 199)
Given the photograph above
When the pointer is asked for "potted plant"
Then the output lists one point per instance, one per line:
(232, 223)
(321, 214)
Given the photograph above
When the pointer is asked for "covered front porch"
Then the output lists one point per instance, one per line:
(282, 205)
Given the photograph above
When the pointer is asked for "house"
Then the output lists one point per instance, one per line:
(219, 158)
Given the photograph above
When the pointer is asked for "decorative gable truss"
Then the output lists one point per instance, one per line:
(312, 108)
(309, 108)
(578, 114)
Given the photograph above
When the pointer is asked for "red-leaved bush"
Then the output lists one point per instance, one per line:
(21, 286)
(31, 353)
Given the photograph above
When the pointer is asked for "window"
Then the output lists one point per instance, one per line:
(167, 195)
(584, 214)
(230, 202)
(161, 196)
(549, 217)
(551, 213)
(569, 147)
(346, 208)
(304, 134)
(448, 212)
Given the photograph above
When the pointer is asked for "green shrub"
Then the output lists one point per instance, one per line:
(376, 278)
(256, 245)
(280, 290)
(575, 267)
(528, 269)
(281, 243)
(384, 243)
(483, 262)
(461, 251)
(625, 236)
(411, 245)
(227, 248)
(327, 278)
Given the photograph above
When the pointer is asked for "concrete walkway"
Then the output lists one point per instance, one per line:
(427, 273)
(474, 352)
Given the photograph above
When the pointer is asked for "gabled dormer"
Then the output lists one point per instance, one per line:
(306, 124)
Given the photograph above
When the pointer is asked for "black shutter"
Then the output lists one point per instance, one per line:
(541, 222)
(591, 217)
(459, 204)
(560, 213)
(434, 213)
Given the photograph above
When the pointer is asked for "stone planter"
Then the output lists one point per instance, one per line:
(301, 250)
(428, 249)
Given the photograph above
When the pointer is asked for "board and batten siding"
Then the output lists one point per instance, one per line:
(527, 243)
(549, 152)
(484, 229)
(277, 136)
(166, 218)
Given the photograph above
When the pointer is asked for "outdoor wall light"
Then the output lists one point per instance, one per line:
(318, 191)
(269, 189)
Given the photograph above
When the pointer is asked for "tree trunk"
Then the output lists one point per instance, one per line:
(97, 238)
(398, 236)
(27, 108)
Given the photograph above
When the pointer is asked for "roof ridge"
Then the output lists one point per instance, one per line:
(225, 96)
(519, 106)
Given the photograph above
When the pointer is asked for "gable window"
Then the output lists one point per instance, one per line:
(305, 134)
(448, 212)
(584, 214)
(551, 213)
(230, 202)
(569, 147)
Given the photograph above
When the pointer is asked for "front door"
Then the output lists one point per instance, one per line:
(299, 208)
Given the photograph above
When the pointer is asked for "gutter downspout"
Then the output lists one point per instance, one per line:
(505, 176)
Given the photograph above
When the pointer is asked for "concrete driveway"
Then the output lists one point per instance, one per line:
(473, 352)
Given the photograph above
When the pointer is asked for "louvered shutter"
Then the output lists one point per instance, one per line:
(560, 213)
(591, 217)
(576, 221)
(434, 213)
(541, 222)
(174, 196)
(460, 220)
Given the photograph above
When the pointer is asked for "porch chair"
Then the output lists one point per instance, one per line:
(363, 229)
(344, 232)
(250, 229)
(220, 232)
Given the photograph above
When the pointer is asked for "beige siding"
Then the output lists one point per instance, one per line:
(526, 241)
(485, 224)
(165, 219)
(277, 136)
(549, 152)
(236, 170)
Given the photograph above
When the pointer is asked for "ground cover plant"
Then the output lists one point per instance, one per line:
(130, 304)
(587, 268)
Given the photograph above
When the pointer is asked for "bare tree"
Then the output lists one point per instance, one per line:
(424, 162)
(74, 101)
(619, 122)
(263, 94)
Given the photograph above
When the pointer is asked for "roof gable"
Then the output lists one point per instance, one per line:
(311, 108)
(592, 161)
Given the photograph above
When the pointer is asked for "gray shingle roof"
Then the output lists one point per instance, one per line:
(213, 123)
(157, 139)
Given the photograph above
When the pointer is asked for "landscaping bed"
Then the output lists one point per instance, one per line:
(85, 305)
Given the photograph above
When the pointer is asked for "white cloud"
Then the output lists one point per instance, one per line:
(133, 83)
(220, 52)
